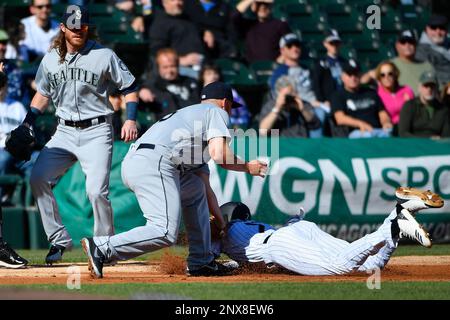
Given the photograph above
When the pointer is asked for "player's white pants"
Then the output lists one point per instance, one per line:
(93, 148)
(162, 197)
(305, 249)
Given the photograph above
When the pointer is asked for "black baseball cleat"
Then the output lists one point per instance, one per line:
(96, 259)
(210, 270)
(54, 254)
(9, 258)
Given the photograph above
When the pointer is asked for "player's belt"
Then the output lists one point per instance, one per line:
(83, 124)
(151, 146)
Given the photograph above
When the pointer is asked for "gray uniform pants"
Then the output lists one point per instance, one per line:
(93, 148)
(162, 195)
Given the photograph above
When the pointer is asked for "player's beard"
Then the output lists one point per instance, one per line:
(76, 40)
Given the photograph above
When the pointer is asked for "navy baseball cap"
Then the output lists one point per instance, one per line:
(290, 38)
(351, 67)
(438, 20)
(219, 90)
(75, 16)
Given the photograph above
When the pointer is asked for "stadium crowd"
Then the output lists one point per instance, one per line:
(332, 96)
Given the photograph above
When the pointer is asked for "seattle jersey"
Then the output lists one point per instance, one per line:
(80, 86)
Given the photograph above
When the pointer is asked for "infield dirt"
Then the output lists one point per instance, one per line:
(410, 268)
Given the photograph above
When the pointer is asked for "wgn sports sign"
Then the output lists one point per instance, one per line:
(346, 186)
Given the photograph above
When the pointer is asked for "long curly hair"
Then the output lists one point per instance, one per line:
(59, 43)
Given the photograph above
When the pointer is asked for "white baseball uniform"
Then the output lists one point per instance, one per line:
(302, 247)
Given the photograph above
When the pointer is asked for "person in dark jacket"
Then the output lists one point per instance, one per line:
(425, 116)
(213, 20)
(326, 75)
(263, 34)
(172, 29)
(168, 91)
(434, 47)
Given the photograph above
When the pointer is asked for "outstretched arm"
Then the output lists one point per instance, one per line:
(221, 153)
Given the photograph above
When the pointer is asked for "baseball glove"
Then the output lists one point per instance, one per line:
(19, 142)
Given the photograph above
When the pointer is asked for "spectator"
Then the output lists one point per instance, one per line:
(425, 116)
(359, 108)
(129, 7)
(168, 91)
(435, 47)
(326, 75)
(213, 20)
(39, 28)
(410, 68)
(391, 93)
(261, 35)
(290, 52)
(12, 114)
(16, 50)
(172, 29)
(287, 112)
(240, 117)
(16, 85)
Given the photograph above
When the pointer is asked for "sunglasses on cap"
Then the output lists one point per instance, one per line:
(42, 6)
(438, 27)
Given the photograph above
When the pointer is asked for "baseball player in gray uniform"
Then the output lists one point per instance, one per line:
(78, 74)
(302, 247)
(164, 169)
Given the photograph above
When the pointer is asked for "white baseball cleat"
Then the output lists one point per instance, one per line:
(410, 228)
(414, 199)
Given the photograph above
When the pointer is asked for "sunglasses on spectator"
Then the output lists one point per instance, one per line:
(405, 41)
(42, 6)
(4, 42)
(390, 74)
(430, 85)
(438, 27)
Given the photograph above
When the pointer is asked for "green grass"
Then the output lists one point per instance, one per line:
(77, 255)
(264, 291)
(417, 250)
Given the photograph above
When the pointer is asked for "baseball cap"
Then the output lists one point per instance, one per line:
(407, 34)
(3, 35)
(437, 20)
(74, 14)
(428, 77)
(219, 90)
(288, 39)
(332, 35)
(351, 67)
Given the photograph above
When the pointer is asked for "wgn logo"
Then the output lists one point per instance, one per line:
(373, 21)
(374, 281)
(73, 278)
